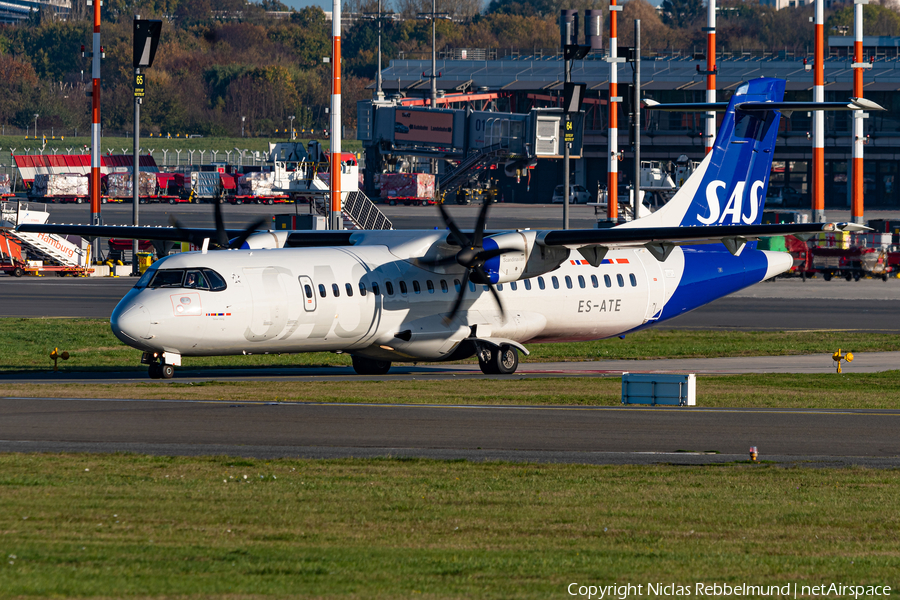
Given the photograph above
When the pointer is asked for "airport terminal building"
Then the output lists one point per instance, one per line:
(519, 83)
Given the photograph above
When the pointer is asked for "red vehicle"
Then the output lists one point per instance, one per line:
(851, 263)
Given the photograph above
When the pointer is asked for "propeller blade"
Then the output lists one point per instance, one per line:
(248, 231)
(459, 298)
(190, 235)
(479, 226)
(221, 236)
(486, 255)
(462, 238)
(484, 277)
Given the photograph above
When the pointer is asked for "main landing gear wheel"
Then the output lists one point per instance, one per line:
(161, 371)
(370, 366)
(502, 362)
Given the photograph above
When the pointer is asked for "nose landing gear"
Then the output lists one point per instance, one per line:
(161, 371)
(157, 367)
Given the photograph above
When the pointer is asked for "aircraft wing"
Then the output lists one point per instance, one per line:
(594, 243)
(169, 234)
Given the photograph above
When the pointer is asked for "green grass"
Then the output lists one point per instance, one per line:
(847, 391)
(116, 526)
(92, 346)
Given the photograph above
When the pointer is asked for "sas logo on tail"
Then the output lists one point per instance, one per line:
(734, 206)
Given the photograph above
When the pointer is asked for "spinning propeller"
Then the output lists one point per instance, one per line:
(472, 256)
(221, 241)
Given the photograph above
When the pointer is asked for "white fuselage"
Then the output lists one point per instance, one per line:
(324, 299)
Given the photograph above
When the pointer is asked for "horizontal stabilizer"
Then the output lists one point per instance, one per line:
(786, 107)
(621, 237)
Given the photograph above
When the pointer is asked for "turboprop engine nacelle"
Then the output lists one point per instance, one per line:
(266, 239)
(509, 266)
(528, 258)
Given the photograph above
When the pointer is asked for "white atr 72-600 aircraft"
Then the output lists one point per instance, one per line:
(384, 296)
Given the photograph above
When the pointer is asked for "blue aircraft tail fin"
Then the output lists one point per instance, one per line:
(729, 186)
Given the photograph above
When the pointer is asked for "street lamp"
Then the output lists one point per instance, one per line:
(379, 16)
(242, 125)
(292, 127)
(433, 15)
(35, 124)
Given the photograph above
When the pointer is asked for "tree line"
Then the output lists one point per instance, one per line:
(225, 65)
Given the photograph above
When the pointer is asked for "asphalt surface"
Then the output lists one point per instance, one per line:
(594, 435)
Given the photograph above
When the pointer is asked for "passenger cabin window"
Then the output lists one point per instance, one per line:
(633, 279)
(555, 282)
(362, 288)
(444, 287)
(416, 287)
(307, 289)
(430, 286)
(375, 289)
(569, 282)
(457, 285)
(322, 290)
(620, 280)
(527, 284)
(581, 283)
(513, 286)
(594, 281)
(607, 281)
(389, 287)
(403, 287)
(349, 289)
(335, 290)
(541, 283)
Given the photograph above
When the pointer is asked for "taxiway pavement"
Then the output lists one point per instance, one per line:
(596, 435)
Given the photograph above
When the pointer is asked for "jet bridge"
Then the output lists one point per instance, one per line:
(461, 147)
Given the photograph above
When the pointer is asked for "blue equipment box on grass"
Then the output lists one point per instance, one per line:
(658, 388)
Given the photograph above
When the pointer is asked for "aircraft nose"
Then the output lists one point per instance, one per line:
(131, 323)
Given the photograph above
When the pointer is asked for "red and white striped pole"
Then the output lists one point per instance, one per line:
(818, 182)
(710, 128)
(612, 184)
(857, 185)
(94, 183)
(336, 220)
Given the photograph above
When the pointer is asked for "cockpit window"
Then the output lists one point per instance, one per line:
(167, 278)
(145, 278)
(197, 279)
(216, 281)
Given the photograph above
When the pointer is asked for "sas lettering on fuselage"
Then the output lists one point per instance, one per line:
(611, 305)
(735, 204)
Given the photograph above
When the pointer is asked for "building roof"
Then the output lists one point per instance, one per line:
(658, 74)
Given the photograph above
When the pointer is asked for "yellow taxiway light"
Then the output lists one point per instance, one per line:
(55, 354)
(838, 357)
